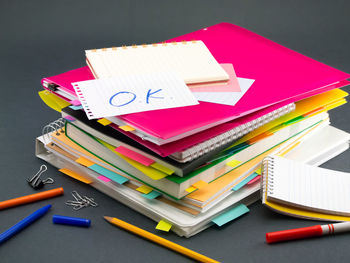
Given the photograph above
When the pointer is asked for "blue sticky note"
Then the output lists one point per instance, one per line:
(245, 181)
(79, 107)
(109, 174)
(230, 215)
(151, 195)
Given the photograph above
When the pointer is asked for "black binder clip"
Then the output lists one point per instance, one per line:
(36, 182)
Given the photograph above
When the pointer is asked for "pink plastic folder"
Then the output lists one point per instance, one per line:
(280, 74)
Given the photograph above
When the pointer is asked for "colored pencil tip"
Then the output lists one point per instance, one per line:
(108, 218)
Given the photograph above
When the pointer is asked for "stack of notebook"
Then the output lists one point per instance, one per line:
(195, 163)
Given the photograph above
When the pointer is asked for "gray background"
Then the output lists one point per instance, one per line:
(43, 38)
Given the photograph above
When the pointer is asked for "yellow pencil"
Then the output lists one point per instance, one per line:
(159, 240)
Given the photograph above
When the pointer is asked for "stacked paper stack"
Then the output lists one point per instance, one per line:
(178, 130)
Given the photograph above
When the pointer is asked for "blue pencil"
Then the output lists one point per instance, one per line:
(23, 223)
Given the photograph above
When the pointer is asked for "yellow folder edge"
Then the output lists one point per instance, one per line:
(54, 102)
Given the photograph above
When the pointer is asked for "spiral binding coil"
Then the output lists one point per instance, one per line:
(215, 142)
(55, 126)
(268, 174)
(142, 45)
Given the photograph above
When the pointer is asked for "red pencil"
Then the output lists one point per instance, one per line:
(306, 232)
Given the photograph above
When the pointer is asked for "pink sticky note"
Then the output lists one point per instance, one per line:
(254, 180)
(103, 178)
(69, 118)
(231, 86)
(75, 102)
(134, 155)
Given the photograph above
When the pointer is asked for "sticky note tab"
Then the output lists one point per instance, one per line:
(85, 162)
(244, 181)
(190, 189)
(52, 100)
(162, 168)
(69, 118)
(75, 102)
(75, 176)
(233, 163)
(126, 128)
(254, 180)
(109, 174)
(147, 170)
(200, 184)
(144, 189)
(163, 225)
(104, 121)
(153, 194)
(73, 107)
(134, 155)
(103, 178)
(258, 171)
(230, 215)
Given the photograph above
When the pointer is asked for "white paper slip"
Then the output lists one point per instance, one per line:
(133, 93)
(227, 98)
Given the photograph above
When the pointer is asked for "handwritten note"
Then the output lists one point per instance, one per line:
(133, 93)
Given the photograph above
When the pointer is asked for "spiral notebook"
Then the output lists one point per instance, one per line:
(295, 184)
(191, 60)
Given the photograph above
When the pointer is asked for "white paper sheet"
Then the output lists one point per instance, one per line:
(133, 93)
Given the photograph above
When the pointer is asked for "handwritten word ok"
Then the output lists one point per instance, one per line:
(123, 98)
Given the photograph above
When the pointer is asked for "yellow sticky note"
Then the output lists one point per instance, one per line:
(104, 121)
(75, 176)
(164, 226)
(233, 163)
(200, 184)
(258, 171)
(144, 189)
(84, 161)
(126, 128)
(162, 168)
(53, 101)
(190, 189)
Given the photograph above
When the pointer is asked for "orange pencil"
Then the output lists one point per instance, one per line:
(31, 198)
(159, 240)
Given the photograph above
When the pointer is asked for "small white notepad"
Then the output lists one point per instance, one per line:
(191, 60)
(305, 186)
(134, 93)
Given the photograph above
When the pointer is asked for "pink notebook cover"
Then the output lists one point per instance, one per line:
(280, 74)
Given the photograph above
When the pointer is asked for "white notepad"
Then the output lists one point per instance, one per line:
(191, 60)
(307, 187)
(133, 93)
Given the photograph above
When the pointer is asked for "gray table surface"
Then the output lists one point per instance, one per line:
(44, 38)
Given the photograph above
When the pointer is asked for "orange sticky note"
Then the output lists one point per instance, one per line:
(190, 189)
(200, 184)
(75, 176)
(84, 161)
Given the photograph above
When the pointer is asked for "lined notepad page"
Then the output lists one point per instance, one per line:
(308, 187)
(133, 93)
(191, 60)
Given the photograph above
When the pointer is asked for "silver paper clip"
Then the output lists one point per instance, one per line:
(81, 201)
